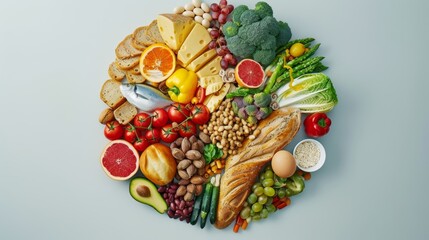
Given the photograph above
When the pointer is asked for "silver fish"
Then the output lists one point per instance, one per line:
(144, 97)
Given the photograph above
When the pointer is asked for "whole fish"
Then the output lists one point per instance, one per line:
(144, 97)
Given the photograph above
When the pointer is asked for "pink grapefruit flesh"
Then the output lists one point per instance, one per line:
(249, 73)
(120, 160)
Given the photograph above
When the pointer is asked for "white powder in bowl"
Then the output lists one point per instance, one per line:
(307, 154)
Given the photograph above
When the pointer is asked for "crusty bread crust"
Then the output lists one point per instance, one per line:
(241, 170)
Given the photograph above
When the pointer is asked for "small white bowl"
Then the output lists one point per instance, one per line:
(319, 163)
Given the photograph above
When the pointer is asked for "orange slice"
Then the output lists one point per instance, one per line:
(157, 62)
(249, 74)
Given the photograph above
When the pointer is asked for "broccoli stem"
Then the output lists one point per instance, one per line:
(273, 77)
(306, 55)
(304, 41)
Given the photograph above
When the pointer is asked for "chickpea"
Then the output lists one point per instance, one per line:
(223, 142)
(220, 129)
(219, 145)
(218, 138)
(206, 131)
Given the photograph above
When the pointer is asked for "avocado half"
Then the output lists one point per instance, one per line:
(144, 191)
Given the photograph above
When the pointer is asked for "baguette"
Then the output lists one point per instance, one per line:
(242, 169)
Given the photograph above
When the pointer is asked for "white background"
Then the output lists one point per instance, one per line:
(54, 57)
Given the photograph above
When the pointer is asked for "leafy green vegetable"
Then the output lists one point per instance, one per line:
(211, 152)
(310, 93)
(236, 13)
(242, 92)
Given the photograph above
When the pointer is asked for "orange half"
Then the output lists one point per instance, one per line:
(157, 62)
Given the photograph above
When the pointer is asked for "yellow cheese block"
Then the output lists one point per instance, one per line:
(174, 28)
(195, 44)
(213, 101)
(214, 87)
(211, 68)
(201, 60)
(206, 81)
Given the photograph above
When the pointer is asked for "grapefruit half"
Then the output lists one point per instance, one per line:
(120, 160)
(249, 74)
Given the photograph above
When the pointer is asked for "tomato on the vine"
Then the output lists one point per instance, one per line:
(141, 144)
(168, 134)
(113, 130)
(142, 120)
(160, 117)
(153, 135)
(187, 129)
(200, 114)
(178, 112)
(201, 94)
(130, 134)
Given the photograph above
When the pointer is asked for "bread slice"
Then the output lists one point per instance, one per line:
(125, 113)
(115, 72)
(135, 70)
(128, 63)
(137, 45)
(125, 49)
(135, 78)
(141, 37)
(153, 32)
(111, 94)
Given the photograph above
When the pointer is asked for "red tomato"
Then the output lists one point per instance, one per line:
(153, 135)
(130, 134)
(201, 94)
(160, 117)
(187, 129)
(200, 114)
(178, 112)
(142, 120)
(168, 134)
(113, 130)
(141, 144)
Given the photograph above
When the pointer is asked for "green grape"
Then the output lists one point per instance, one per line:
(246, 204)
(271, 208)
(259, 191)
(269, 201)
(281, 193)
(252, 198)
(268, 168)
(262, 199)
(256, 217)
(264, 213)
(269, 191)
(262, 177)
(258, 184)
(257, 207)
(268, 182)
(252, 213)
(268, 174)
(245, 213)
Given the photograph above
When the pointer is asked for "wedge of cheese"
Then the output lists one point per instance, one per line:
(174, 28)
(214, 87)
(213, 101)
(211, 68)
(195, 44)
(201, 60)
(206, 81)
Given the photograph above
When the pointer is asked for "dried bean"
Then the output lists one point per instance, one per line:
(184, 182)
(184, 164)
(204, 137)
(186, 145)
(183, 174)
(188, 196)
(197, 180)
(190, 188)
(195, 146)
(177, 153)
(191, 170)
(193, 154)
(198, 163)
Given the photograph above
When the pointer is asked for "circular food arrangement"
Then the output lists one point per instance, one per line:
(201, 103)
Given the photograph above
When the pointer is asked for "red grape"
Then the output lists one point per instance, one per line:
(224, 64)
(221, 41)
(228, 57)
(215, 7)
(221, 18)
(215, 15)
(225, 48)
(220, 52)
(230, 7)
(225, 11)
(233, 61)
(212, 44)
(214, 34)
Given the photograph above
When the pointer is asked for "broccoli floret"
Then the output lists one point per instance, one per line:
(230, 29)
(255, 33)
(239, 47)
(248, 17)
(236, 13)
(271, 24)
(270, 42)
(264, 57)
(263, 9)
(262, 99)
(284, 34)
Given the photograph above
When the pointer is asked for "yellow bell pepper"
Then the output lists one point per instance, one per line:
(182, 85)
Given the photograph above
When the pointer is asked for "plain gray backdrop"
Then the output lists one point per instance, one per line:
(54, 57)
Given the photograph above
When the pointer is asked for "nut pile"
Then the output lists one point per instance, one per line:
(198, 10)
(177, 206)
(190, 166)
(226, 130)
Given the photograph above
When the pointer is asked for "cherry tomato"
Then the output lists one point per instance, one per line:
(168, 134)
(142, 120)
(187, 129)
(200, 114)
(130, 134)
(153, 135)
(201, 94)
(160, 117)
(178, 112)
(141, 144)
(113, 130)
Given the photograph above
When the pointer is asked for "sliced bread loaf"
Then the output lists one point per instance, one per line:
(125, 113)
(115, 72)
(128, 63)
(153, 32)
(141, 37)
(134, 78)
(125, 49)
(111, 94)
